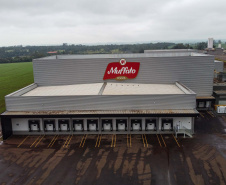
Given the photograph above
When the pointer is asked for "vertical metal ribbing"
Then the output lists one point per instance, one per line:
(195, 72)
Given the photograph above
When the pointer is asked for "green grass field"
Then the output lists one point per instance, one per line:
(14, 76)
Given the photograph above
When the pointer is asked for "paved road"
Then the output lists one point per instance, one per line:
(106, 159)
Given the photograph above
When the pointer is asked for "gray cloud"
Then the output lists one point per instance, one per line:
(103, 21)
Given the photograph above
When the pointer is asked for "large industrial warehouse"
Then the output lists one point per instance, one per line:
(150, 93)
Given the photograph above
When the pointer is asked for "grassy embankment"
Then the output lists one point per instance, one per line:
(14, 76)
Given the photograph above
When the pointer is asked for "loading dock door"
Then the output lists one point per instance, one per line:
(121, 124)
(208, 104)
(136, 124)
(63, 125)
(167, 124)
(150, 124)
(49, 125)
(201, 104)
(107, 125)
(78, 125)
(92, 124)
(34, 125)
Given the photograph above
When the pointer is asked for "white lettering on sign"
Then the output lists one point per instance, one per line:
(123, 70)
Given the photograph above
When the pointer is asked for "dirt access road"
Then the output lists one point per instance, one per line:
(121, 159)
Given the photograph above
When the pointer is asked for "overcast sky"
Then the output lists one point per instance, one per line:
(46, 22)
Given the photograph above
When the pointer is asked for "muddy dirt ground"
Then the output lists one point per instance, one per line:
(106, 159)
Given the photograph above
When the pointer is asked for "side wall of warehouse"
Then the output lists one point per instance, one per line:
(196, 72)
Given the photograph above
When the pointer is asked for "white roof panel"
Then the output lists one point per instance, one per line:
(133, 89)
(66, 90)
(109, 89)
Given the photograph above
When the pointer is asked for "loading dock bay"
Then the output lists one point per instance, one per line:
(96, 141)
(207, 114)
(81, 141)
(99, 140)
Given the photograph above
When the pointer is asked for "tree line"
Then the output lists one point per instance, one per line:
(20, 53)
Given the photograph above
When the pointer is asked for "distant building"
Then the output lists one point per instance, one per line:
(215, 51)
(218, 66)
(52, 52)
(210, 43)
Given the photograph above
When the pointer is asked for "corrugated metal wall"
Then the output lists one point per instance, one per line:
(196, 72)
(219, 66)
(101, 102)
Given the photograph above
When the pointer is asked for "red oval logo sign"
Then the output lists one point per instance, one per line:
(122, 70)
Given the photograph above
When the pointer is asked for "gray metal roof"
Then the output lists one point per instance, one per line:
(154, 53)
(220, 92)
(205, 97)
(170, 50)
(84, 112)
